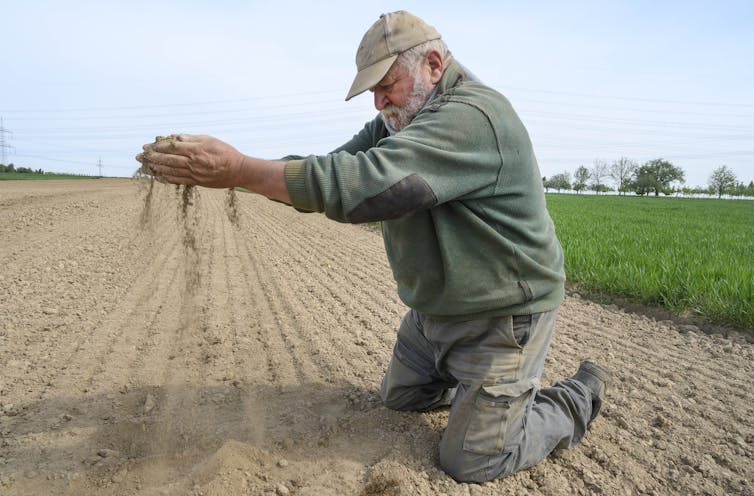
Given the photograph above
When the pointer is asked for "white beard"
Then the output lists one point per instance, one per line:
(396, 118)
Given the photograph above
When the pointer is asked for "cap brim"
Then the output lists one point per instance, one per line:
(370, 76)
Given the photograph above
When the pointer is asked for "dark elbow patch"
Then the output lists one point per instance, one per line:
(408, 194)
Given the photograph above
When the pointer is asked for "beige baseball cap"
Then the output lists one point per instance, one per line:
(391, 35)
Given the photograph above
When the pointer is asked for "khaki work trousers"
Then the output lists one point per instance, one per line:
(488, 372)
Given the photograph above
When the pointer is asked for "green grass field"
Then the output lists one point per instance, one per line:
(13, 176)
(692, 255)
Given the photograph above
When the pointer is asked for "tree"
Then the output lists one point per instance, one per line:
(621, 172)
(722, 180)
(560, 181)
(691, 191)
(739, 189)
(656, 176)
(598, 172)
(580, 178)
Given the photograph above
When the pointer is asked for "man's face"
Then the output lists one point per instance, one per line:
(400, 95)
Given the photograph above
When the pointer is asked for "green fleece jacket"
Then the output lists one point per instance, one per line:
(460, 198)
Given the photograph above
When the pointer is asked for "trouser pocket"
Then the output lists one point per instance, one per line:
(494, 411)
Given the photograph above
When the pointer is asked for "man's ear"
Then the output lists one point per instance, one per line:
(436, 66)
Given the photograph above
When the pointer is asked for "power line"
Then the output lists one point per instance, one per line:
(636, 99)
(43, 157)
(3, 144)
(172, 105)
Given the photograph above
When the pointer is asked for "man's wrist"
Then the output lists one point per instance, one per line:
(264, 177)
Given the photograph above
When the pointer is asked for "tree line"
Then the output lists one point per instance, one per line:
(654, 177)
(22, 170)
(12, 170)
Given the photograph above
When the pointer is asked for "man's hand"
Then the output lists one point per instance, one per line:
(207, 161)
(193, 160)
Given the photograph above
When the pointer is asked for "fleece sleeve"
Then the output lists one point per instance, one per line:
(365, 139)
(444, 154)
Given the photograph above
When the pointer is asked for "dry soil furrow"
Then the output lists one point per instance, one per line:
(226, 309)
(52, 325)
(632, 344)
(92, 347)
(674, 377)
(32, 190)
(234, 311)
(327, 337)
(132, 333)
(224, 300)
(123, 334)
(324, 243)
(341, 281)
(667, 354)
(36, 223)
(271, 290)
(346, 347)
(316, 288)
(338, 338)
(357, 255)
(181, 348)
(261, 319)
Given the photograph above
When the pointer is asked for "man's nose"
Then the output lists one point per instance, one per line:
(380, 99)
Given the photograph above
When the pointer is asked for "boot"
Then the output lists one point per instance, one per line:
(597, 379)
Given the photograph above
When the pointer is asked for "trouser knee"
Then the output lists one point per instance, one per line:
(396, 398)
(409, 383)
(464, 466)
(484, 430)
(415, 398)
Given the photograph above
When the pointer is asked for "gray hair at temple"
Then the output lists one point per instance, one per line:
(410, 58)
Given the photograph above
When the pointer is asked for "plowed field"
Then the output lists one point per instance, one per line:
(154, 351)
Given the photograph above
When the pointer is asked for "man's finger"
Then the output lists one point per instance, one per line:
(169, 159)
(166, 170)
(174, 147)
(186, 181)
(188, 138)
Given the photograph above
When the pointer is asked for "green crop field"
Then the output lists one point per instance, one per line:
(692, 255)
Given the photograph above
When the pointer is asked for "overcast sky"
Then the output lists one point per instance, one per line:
(84, 81)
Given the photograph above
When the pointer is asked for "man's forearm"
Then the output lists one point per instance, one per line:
(264, 177)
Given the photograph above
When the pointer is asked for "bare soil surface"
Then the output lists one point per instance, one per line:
(156, 351)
